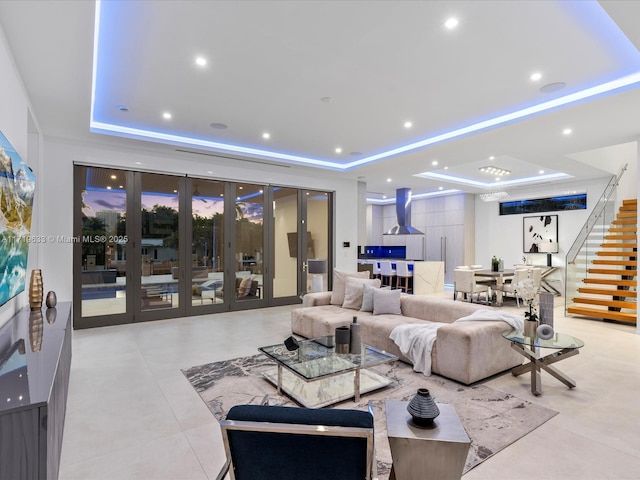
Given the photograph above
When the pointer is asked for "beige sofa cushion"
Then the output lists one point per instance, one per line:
(353, 291)
(337, 292)
(386, 302)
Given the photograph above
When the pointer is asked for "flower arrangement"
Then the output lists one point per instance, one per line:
(526, 290)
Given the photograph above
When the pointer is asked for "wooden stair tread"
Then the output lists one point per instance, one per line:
(606, 261)
(626, 215)
(606, 303)
(608, 314)
(630, 221)
(625, 232)
(611, 292)
(620, 237)
(609, 281)
(619, 245)
(617, 254)
(630, 201)
(613, 271)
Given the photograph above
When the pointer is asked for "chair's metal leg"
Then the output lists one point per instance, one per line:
(224, 470)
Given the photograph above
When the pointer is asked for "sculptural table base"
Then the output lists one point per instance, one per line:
(537, 362)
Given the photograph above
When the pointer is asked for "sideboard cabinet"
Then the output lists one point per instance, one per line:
(35, 362)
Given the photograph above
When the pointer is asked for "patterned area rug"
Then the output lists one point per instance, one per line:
(493, 420)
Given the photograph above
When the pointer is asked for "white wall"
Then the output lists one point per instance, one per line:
(502, 235)
(16, 125)
(57, 214)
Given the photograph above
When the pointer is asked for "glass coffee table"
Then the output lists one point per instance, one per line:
(565, 346)
(315, 375)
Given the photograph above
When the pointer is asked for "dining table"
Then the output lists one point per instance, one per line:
(498, 277)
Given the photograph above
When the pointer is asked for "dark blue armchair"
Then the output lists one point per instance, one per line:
(265, 442)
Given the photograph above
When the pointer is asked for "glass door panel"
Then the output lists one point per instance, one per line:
(249, 242)
(318, 241)
(285, 242)
(207, 242)
(103, 241)
(159, 241)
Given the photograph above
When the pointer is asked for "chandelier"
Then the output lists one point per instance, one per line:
(495, 196)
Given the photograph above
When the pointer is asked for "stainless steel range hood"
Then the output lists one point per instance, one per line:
(403, 214)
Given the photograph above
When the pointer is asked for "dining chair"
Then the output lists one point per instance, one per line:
(464, 281)
(510, 288)
(387, 273)
(404, 277)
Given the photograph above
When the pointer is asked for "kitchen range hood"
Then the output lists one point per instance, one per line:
(403, 214)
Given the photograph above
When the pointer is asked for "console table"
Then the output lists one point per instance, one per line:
(35, 362)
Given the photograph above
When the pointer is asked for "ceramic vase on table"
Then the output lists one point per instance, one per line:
(343, 338)
(423, 408)
(36, 289)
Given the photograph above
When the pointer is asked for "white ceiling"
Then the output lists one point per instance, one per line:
(273, 64)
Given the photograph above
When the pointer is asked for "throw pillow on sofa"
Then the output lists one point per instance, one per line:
(367, 297)
(386, 301)
(353, 290)
(337, 290)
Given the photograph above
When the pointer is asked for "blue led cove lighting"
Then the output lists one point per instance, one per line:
(591, 9)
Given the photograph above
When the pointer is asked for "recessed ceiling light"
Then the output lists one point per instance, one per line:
(201, 61)
(384, 196)
(209, 171)
(266, 135)
(451, 23)
(541, 172)
(113, 177)
(492, 157)
(108, 187)
(440, 188)
(120, 186)
(553, 87)
(434, 163)
(535, 76)
(567, 131)
(408, 124)
(240, 187)
(388, 179)
(138, 163)
(446, 168)
(218, 126)
(166, 115)
(338, 150)
(175, 191)
(497, 179)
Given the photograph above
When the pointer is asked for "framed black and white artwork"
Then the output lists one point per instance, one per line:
(540, 234)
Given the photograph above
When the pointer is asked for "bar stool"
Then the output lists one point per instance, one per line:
(403, 277)
(376, 269)
(386, 273)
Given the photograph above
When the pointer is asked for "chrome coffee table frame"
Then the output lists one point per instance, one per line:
(325, 375)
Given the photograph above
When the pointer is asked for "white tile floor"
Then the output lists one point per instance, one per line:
(131, 414)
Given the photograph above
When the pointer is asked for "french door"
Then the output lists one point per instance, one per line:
(153, 246)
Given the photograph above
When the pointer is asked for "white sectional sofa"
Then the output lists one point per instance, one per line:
(464, 351)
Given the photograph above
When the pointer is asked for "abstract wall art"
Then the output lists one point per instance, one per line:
(540, 234)
(17, 187)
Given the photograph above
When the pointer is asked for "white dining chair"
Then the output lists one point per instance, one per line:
(404, 277)
(509, 288)
(464, 281)
(387, 273)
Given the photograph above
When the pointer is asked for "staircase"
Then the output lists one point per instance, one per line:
(609, 289)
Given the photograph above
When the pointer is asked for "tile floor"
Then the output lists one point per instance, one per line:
(131, 414)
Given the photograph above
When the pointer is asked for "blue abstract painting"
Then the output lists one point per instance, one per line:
(17, 186)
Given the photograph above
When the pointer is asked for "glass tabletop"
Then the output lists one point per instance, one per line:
(558, 341)
(313, 360)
